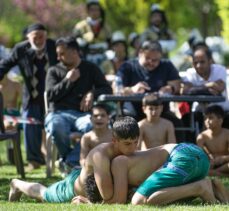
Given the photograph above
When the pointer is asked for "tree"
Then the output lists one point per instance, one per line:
(224, 15)
(58, 15)
(126, 15)
(12, 22)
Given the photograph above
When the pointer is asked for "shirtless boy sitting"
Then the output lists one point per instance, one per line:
(100, 132)
(154, 130)
(215, 141)
(98, 162)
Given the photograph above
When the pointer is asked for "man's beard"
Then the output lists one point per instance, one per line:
(36, 48)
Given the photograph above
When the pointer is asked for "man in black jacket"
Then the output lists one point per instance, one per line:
(71, 85)
(33, 57)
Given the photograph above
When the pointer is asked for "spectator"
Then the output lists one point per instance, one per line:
(119, 49)
(194, 40)
(159, 30)
(135, 44)
(150, 73)
(4, 52)
(33, 56)
(215, 141)
(10, 85)
(71, 85)
(205, 78)
(120, 53)
(154, 130)
(101, 133)
(12, 92)
(94, 32)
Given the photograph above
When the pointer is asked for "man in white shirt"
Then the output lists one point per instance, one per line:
(206, 78)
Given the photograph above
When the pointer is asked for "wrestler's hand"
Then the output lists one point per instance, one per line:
(87, 102)
(80, 200)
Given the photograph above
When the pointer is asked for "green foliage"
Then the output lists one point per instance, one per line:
(126, 15)
(224, 14)
(133, 15)
(57, 15)
(12, 22)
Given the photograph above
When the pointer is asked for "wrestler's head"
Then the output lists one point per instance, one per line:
(125, 135)
(92, 191)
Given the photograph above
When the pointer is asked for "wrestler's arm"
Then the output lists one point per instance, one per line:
(84, 148)
(171, 133)
(119, 168)
(102, 174)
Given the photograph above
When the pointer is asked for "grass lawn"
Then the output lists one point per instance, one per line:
(7, 172)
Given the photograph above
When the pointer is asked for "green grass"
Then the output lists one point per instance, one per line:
(7, 172)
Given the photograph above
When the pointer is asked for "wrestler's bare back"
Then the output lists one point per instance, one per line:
(143, 163)
(104, 151)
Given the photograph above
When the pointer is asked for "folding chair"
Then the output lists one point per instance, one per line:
(50, 147)
(14, 135)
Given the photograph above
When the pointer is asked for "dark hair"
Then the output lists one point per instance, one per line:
(102, 12)
(203, 48)
(215, 109)
(69, 42)
(101, 106)
(163, 16)
(34, 27)
(151, 46)
(125, 128)
(91, 3)
(151, 99)
(132, 38)
(91, 189)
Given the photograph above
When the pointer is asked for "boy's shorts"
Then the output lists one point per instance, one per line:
(62, 191)
(186, 163)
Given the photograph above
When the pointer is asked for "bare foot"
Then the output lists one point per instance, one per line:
(207, 193)
(220, 191)
(14, 194)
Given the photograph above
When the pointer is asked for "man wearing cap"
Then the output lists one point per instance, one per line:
(120, 53)
(33, 56)
(135, 43)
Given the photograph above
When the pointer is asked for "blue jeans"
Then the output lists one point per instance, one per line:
(33, 133)
(59, 124)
